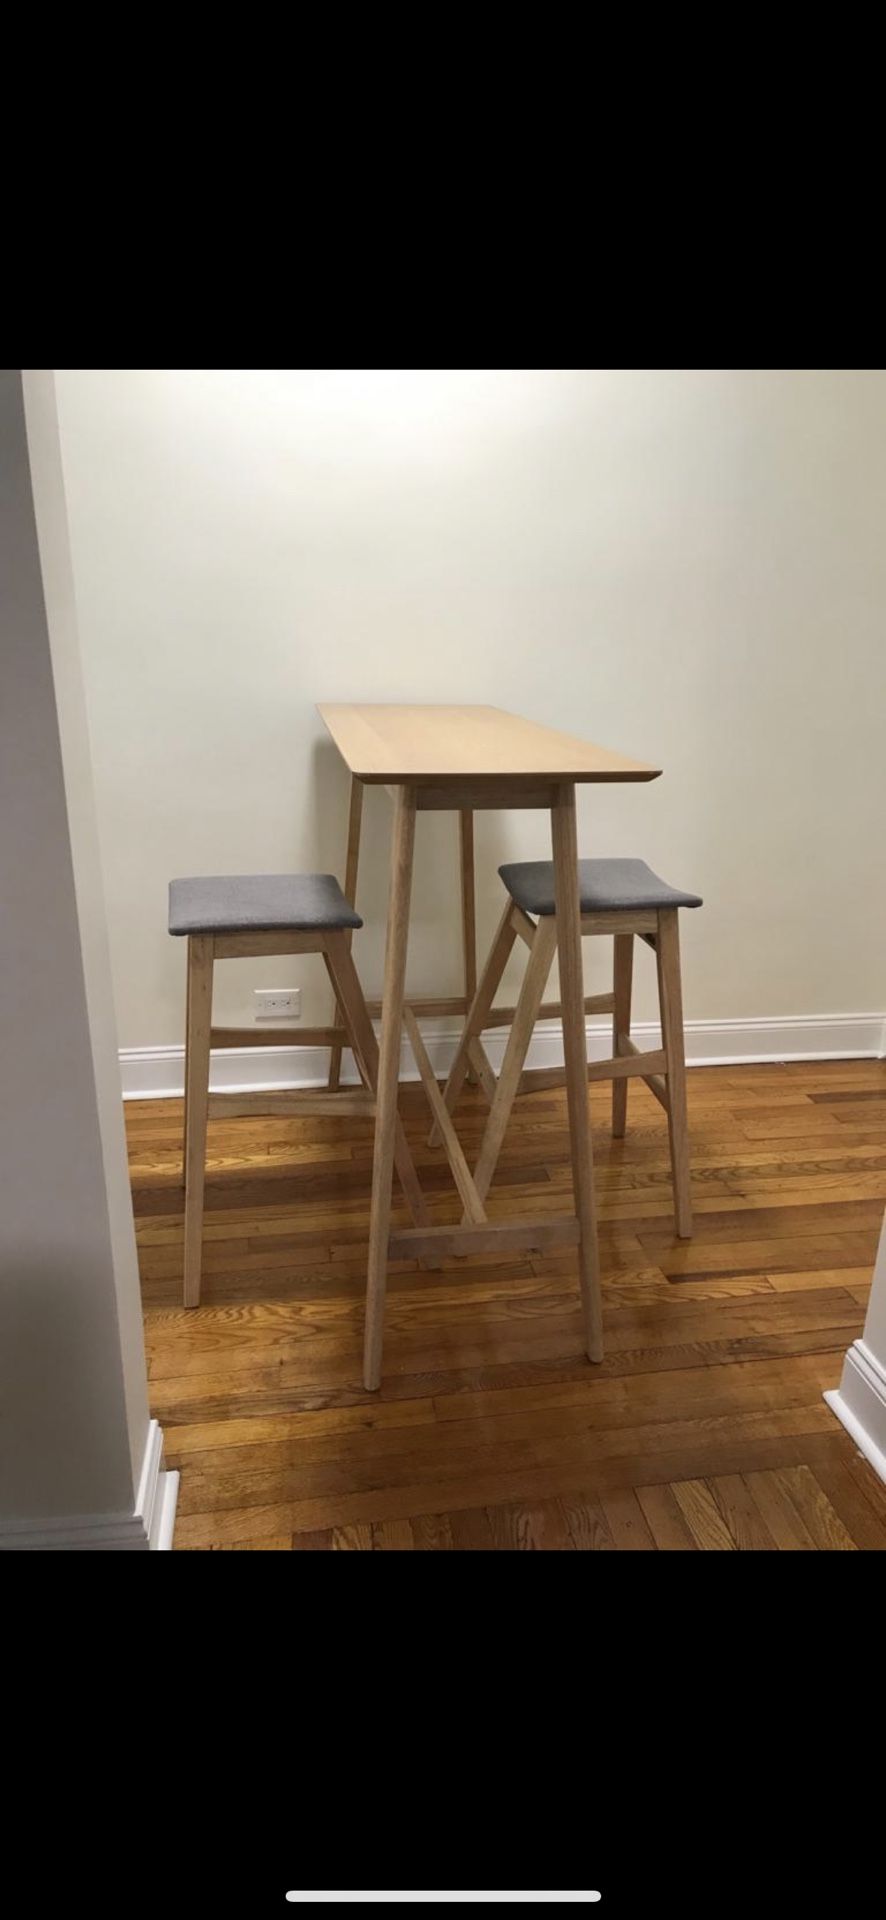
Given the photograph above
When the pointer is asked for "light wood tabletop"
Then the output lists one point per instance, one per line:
(393, 744)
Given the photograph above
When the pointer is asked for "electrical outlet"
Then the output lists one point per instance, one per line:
(277, 1003)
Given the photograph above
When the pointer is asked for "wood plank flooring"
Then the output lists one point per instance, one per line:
(703, 1430)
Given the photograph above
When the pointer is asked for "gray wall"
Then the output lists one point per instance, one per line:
(73, 1404)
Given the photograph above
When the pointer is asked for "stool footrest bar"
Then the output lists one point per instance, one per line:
(653, 1080)
(278, 1037)
(232, 1106)
(638, 1066)
(552, 1010)
(646, 1066)
(452, 1003)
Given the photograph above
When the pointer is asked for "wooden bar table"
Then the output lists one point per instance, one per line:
(458, 759)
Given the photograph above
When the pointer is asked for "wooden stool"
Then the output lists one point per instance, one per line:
(241, 916)
(619, 897)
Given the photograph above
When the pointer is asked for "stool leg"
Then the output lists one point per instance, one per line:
(670, 995)
(352, 862)
(622, 976)
(525, 1015)
(575, 1051)
(187, 1057)
(199, 1021)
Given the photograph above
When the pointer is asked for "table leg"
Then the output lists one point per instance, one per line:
(568, 906)
(388, 1076)
(522, 1026)
(352, 862)
(349, 994)
(468, 911)
(475, 1020)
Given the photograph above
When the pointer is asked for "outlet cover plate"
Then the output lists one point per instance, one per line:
(277, 1003)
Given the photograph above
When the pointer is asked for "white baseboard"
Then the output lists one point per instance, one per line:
(147, 1529)
(156, 1073)
(860, 1403)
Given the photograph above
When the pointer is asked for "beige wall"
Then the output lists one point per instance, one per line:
(688, 565)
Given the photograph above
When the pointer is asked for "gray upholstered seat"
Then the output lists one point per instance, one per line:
(607, 886)
(259, 903)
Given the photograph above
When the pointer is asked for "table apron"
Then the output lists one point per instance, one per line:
(462, 796)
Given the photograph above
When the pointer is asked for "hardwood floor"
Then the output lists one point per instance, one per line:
(703, 1429)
